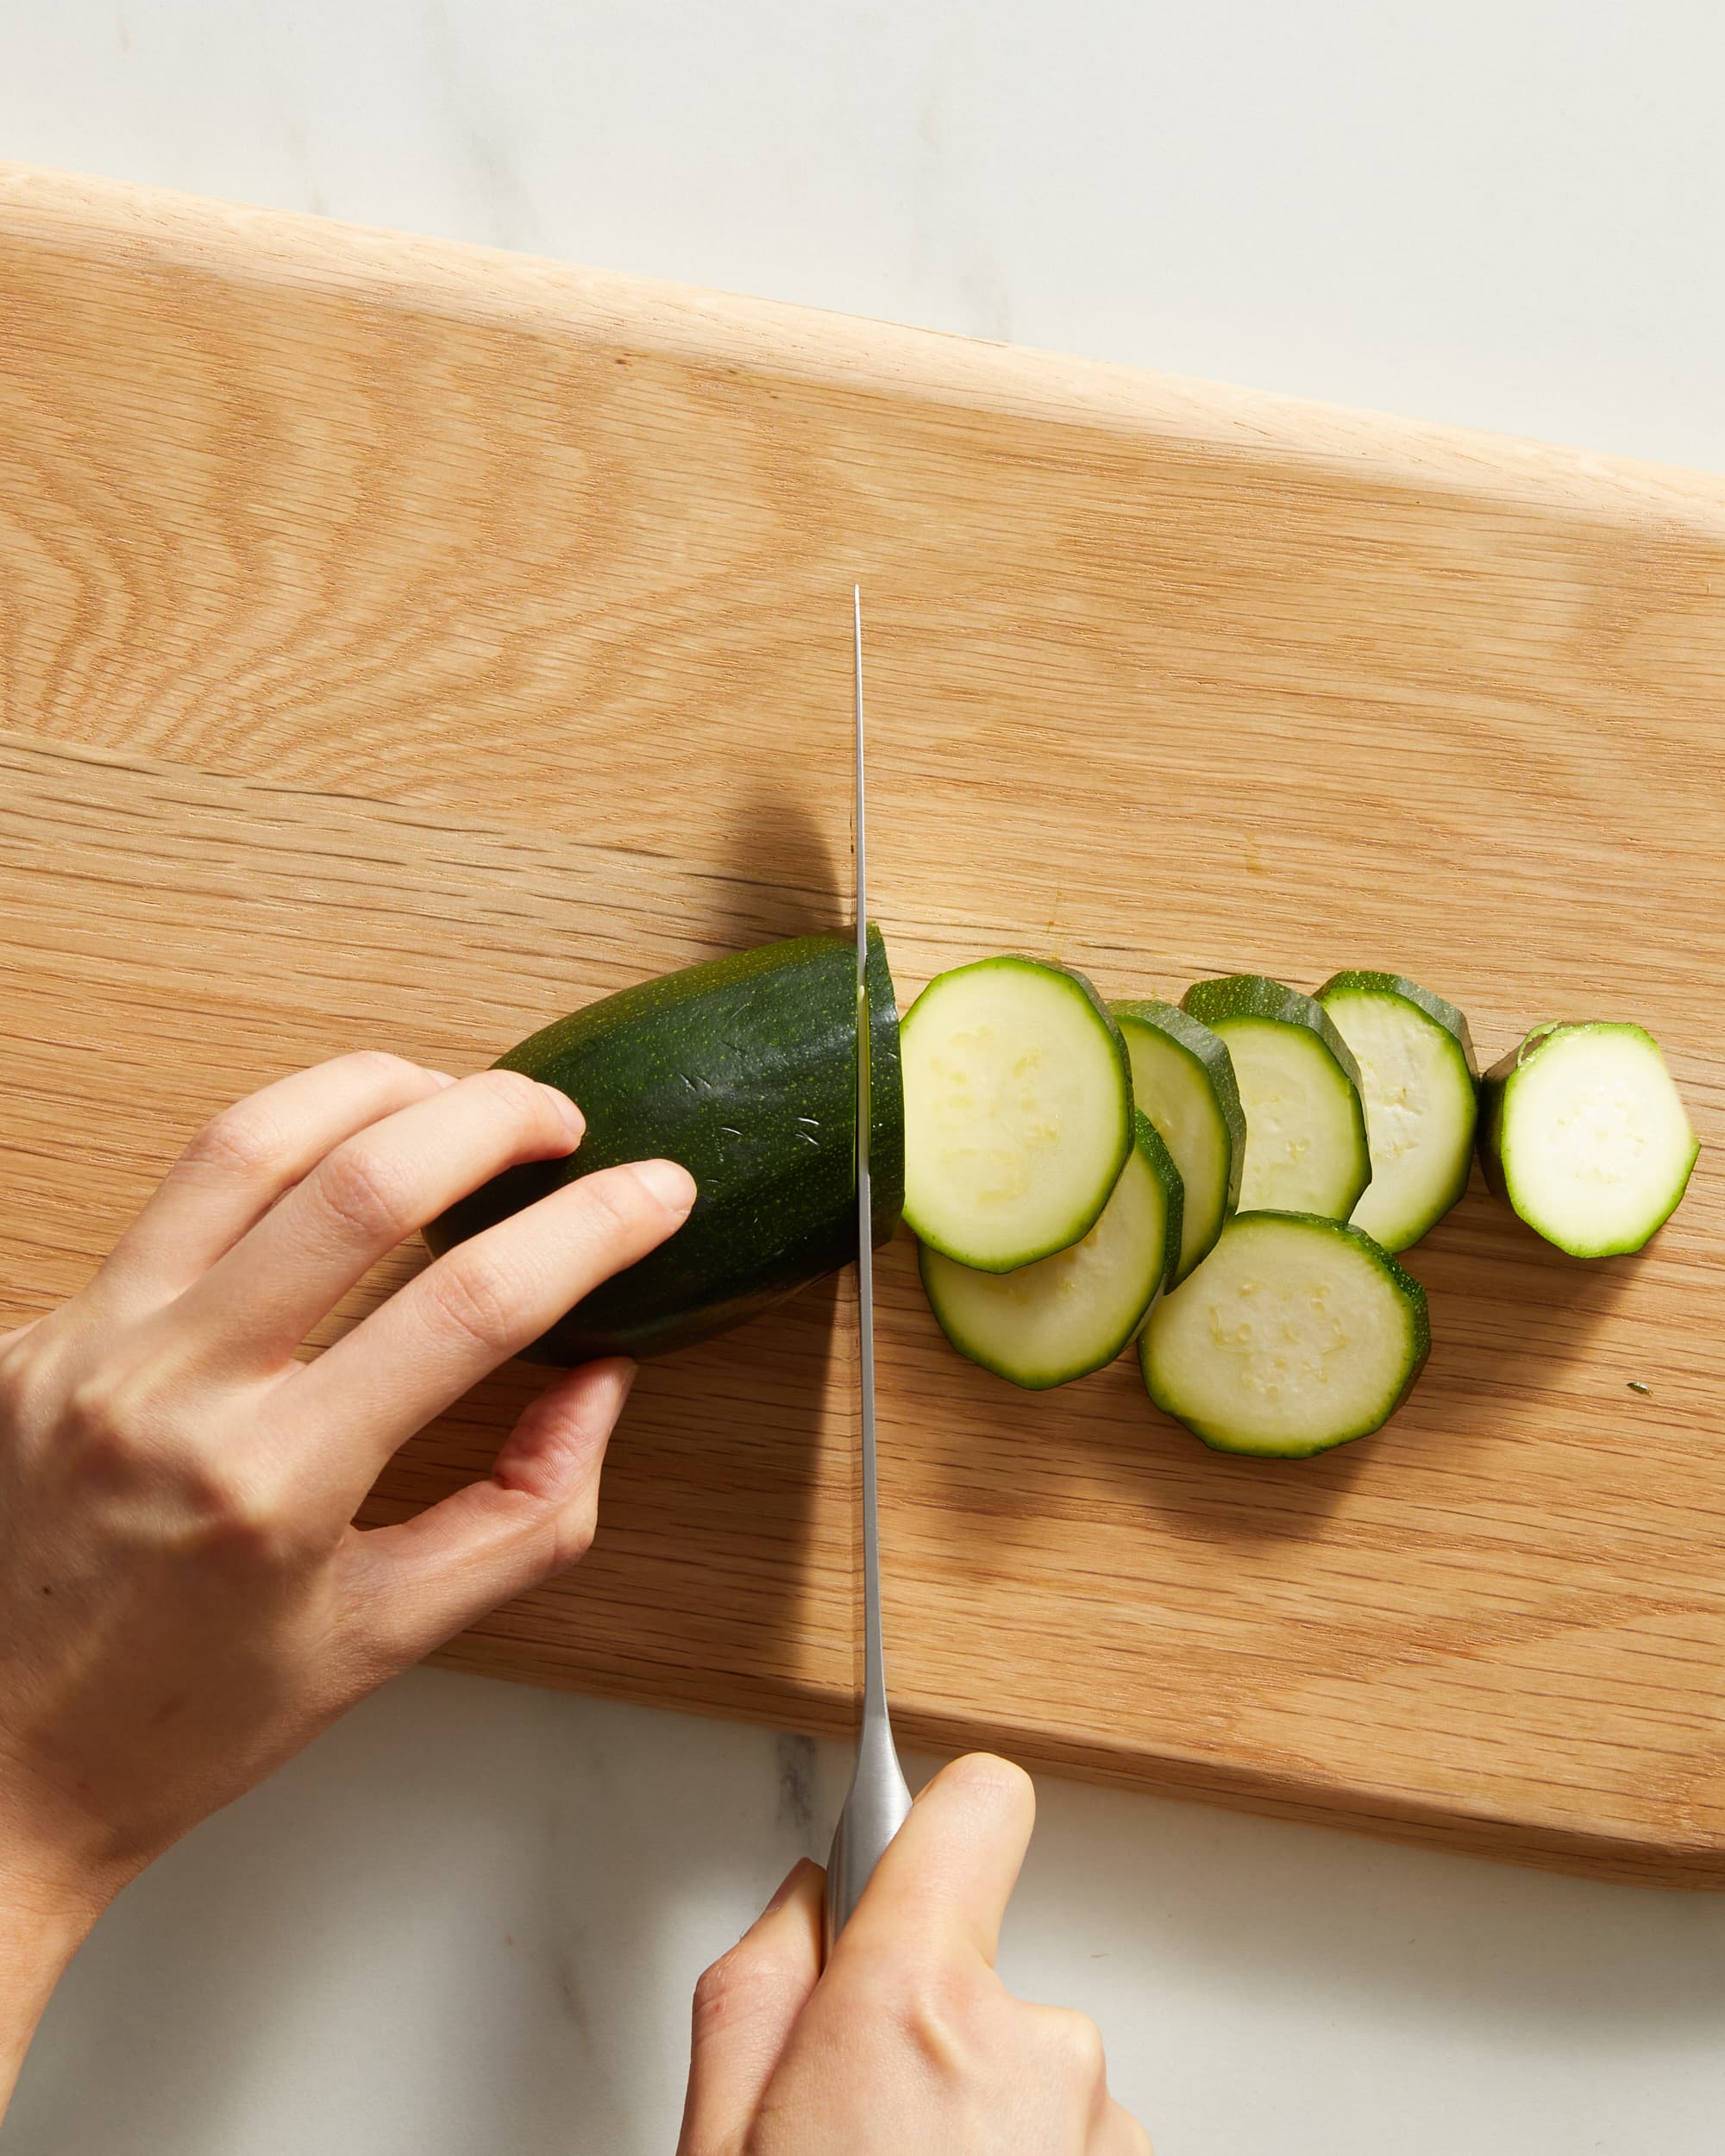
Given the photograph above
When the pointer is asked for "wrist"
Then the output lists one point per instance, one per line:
(45, 1917)
(42, 1897)
(49, 1888)
(60, 1861)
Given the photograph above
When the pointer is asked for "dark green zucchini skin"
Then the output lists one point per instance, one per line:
(1453, 1022)
(1488, 1132)
(1254, 996)
(744, 1070)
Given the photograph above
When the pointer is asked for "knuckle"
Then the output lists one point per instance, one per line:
(516, 1094)
(616, 1204)
(717, 1990)
(576, 1527)
(365, 1187)
(1076, 2043)
(934, 2006)
(736, 1988)
(379, 1065)
(129, 1431)
(241, 1141)
(229, 1514)
(474, 1296)
(111, 1413)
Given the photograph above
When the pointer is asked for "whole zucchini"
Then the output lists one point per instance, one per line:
(744, 1070)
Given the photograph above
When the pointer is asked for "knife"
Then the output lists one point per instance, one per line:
(878, 1798)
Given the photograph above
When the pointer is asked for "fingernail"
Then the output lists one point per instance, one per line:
(441, 1077)
(672, 1185)
(788, 1886)
(574, 1122)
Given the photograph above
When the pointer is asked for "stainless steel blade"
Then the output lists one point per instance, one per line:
(879, 1798)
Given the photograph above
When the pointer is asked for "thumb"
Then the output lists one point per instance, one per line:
(746, 2006)
(945, 1877)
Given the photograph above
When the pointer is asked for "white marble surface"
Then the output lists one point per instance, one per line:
(468, 1920)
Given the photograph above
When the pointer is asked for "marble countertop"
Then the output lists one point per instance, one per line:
(468, 1920)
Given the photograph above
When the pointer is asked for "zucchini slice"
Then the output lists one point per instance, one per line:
(745, 1070)
(1070, 1314)
(1582, 1133)
(1305, 1148)
(1018, 1111)
(1420, 1081)
(1295, 1334)
(1183, 1080)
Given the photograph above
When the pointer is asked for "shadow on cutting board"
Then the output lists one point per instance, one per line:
(1510, 1316)
(783, 877)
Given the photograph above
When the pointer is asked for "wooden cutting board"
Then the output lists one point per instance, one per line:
(403, 643)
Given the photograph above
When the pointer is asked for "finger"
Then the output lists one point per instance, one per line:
(948, 1874)
(240, 1162)
(481, 1303)
(419, 1584)
(746, 2006)
(364, 1198)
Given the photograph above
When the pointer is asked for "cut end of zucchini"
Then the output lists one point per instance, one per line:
(1183, 1080)
(1018, 1112)
(1585, 1134)
(1070, 1313)
(1295, 1335)
(1419, 1079)
(1306, 1148)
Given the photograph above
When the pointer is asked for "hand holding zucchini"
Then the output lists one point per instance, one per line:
(744, 1070)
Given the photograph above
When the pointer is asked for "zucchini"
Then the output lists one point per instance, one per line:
(1295, 1334)
(744, 1070)
(1018, 1112)
(1420, 1081)
(1183, 1080)
(1068, 1314)
(1582, 1132)
(1305, 1148)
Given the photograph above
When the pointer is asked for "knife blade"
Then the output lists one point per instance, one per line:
(879, 1798)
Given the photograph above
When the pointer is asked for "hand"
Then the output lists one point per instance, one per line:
(183, 1599)
(909, 2045)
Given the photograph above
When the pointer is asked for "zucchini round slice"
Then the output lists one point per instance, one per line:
(745, 1070)
(1018, 1111)
(1295, 1334)
(1306, 1147)
(1070, 1314)
(1420, 1081)
(1183, 1080)
(1582, 1133)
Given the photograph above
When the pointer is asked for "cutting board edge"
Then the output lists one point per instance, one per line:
(733, 332)
(1381, 1815)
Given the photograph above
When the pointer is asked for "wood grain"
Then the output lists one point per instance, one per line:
(403, 643)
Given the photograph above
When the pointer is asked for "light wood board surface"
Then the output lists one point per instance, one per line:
(401, 643)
